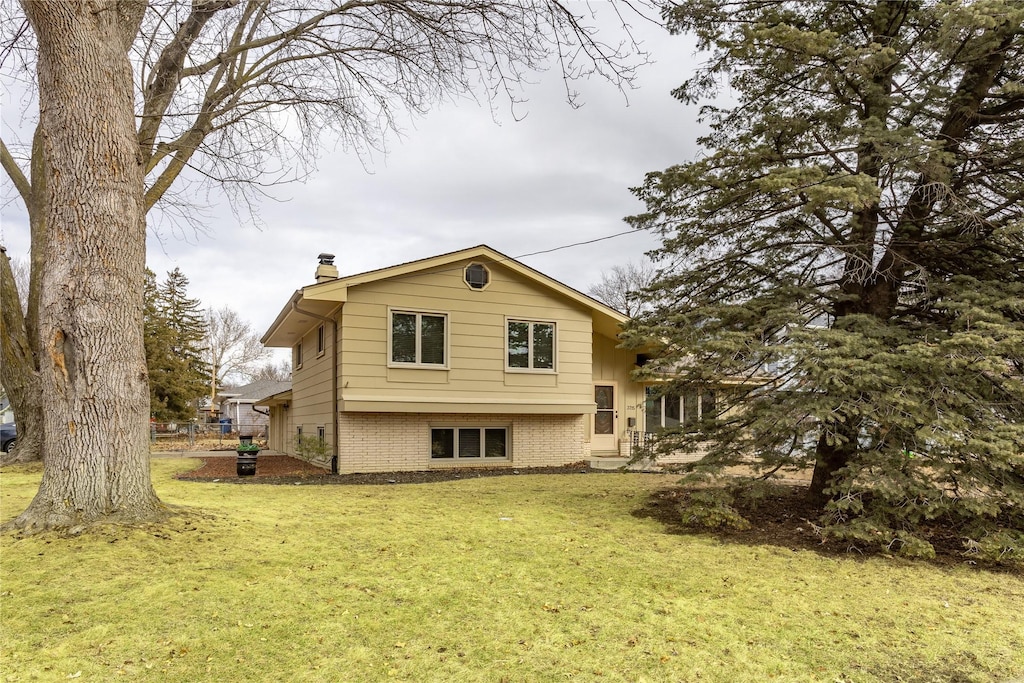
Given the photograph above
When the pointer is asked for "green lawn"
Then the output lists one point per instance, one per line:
(519, 578)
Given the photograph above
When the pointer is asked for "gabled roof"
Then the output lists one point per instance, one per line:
(253, 391)
(322, 298)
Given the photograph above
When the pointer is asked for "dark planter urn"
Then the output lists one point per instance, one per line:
(246, 463)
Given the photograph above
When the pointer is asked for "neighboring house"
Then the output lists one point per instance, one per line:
(6, 412)
(238, 403)
(464, 359)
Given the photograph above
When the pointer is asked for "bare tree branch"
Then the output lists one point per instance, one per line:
(15, 173)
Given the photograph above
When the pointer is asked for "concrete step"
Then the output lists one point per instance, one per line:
(615, 463)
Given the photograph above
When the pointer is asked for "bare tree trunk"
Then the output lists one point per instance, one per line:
(92, 370)
(17, 370)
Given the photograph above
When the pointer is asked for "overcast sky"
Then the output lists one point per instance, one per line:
(454, 179)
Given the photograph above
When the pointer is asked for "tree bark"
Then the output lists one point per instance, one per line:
(92, 371)
(17, 370)
(829, 459)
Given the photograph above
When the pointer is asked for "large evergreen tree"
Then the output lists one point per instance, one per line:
(156, 337)
(177, 369)
(846, 262)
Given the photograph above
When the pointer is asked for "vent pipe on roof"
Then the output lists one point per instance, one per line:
(326, 270)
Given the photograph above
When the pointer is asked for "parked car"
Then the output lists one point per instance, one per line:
(8, 435)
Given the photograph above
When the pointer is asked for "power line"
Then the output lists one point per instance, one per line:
(578, 244)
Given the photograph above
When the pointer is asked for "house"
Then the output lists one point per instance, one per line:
(6, 411)
(469, 358)
(238, 404)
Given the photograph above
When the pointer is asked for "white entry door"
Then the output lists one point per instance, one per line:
(606, 419)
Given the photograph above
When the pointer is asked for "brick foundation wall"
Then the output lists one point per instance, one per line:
(391, 442)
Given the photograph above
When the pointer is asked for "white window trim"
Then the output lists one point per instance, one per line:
(321, 341)
(297, 351)
(553, 370)
(480, 427)
(447, 339)
(682, 409)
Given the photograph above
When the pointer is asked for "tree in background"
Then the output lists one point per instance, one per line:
(157, 343)
(846, 263)
(21, 388)
(234, 351)
(175, 341)
(187, 322)
(215, 82)
(279, 372)
(624, 287)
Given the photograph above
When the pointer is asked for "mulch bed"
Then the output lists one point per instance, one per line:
(787, 518)
(282, 469)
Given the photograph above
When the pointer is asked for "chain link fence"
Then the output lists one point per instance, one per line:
(174, 435)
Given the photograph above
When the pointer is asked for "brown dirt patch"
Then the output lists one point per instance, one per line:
(282, 469)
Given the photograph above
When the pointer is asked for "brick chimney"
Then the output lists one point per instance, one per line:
(326, 270)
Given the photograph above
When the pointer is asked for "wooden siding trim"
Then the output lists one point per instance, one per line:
(476, 406)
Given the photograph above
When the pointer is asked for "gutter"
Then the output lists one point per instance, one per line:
(334, 377)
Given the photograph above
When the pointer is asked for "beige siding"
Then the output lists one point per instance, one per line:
(280, 430)
(311, 391)
(389, 442)
(476, 325)
(613, 364)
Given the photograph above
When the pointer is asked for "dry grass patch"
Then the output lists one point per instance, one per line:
(529, 578)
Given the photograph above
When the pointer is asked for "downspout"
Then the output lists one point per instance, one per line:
(334, 377)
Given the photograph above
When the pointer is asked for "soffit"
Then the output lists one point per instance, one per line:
(296, 319)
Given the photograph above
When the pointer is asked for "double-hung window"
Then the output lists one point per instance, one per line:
(671, 410)
(531, 345)
(419, 339)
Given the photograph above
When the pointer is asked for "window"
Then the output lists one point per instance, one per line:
(320, 341)
(469, 443)
(298, 354)
(419, 338)
(672, 410)
(298, 430)
(531, 345)
(321, 434)
(477, 276)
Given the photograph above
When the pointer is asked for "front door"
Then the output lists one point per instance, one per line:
(605, 437)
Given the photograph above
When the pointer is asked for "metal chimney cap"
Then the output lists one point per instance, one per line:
(326, 259)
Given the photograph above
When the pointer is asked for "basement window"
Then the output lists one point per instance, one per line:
(469, 443)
